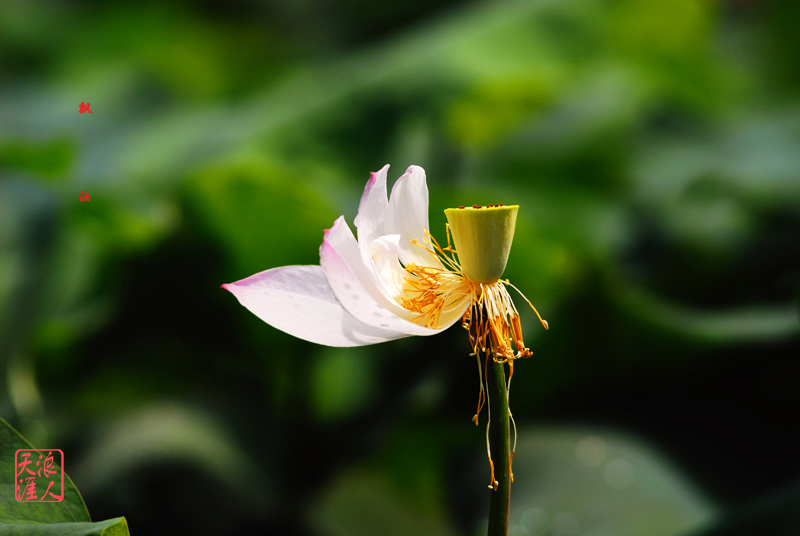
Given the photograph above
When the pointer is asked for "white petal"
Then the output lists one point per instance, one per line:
(298, 300)
(357, 287)
(341, 239)
(372, 211)
(383, 253)
(407, 215)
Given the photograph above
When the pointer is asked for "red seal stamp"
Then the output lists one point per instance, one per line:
(39, 475)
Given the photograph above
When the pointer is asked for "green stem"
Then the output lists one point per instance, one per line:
(499, 440)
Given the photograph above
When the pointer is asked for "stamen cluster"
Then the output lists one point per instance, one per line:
(492, 320)
(430, 290)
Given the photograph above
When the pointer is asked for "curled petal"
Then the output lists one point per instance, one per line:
(299, 301)
(372, 211)
(407, 215)
(357, 287)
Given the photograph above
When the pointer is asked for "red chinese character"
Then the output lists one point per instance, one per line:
(85, 197)
(23, 465)
(47, 492)
(49, 467)
(84, 108)
(28, 491)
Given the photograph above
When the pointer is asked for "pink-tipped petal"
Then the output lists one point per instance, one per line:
(372, 209)
(407, 215)
(355, 284)
(299, 301)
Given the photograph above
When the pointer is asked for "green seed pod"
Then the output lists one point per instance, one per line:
(482, 238)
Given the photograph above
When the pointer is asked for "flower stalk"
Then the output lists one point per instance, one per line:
(500, 442)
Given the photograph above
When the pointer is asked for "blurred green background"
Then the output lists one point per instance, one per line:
(653, 148)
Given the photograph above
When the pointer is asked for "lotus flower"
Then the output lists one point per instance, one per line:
(395, 280)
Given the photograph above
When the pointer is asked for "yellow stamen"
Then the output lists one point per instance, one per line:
(516, 328)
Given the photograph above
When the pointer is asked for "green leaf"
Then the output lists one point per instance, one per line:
(66, 518)
(111, 527)
(71, 509)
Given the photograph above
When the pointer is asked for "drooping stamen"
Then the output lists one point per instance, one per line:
(511, 417)
(492, 482)
(482, 392)
(542, 320)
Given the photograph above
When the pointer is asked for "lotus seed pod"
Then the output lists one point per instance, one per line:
(482, 237)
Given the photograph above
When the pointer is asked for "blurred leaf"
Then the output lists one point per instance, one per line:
(70, 509)
(112, 527)
(415, 458)
(113, 389)
(167, 432)
(50, 160)
(342, 382)
(727, 326)
(119, 221)
(581, 481)
(362, 503)
(671, 46)
(497, 107)
(673, 29)
(263, 214)
(180, 138)
(752, 156)
(784, 41)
